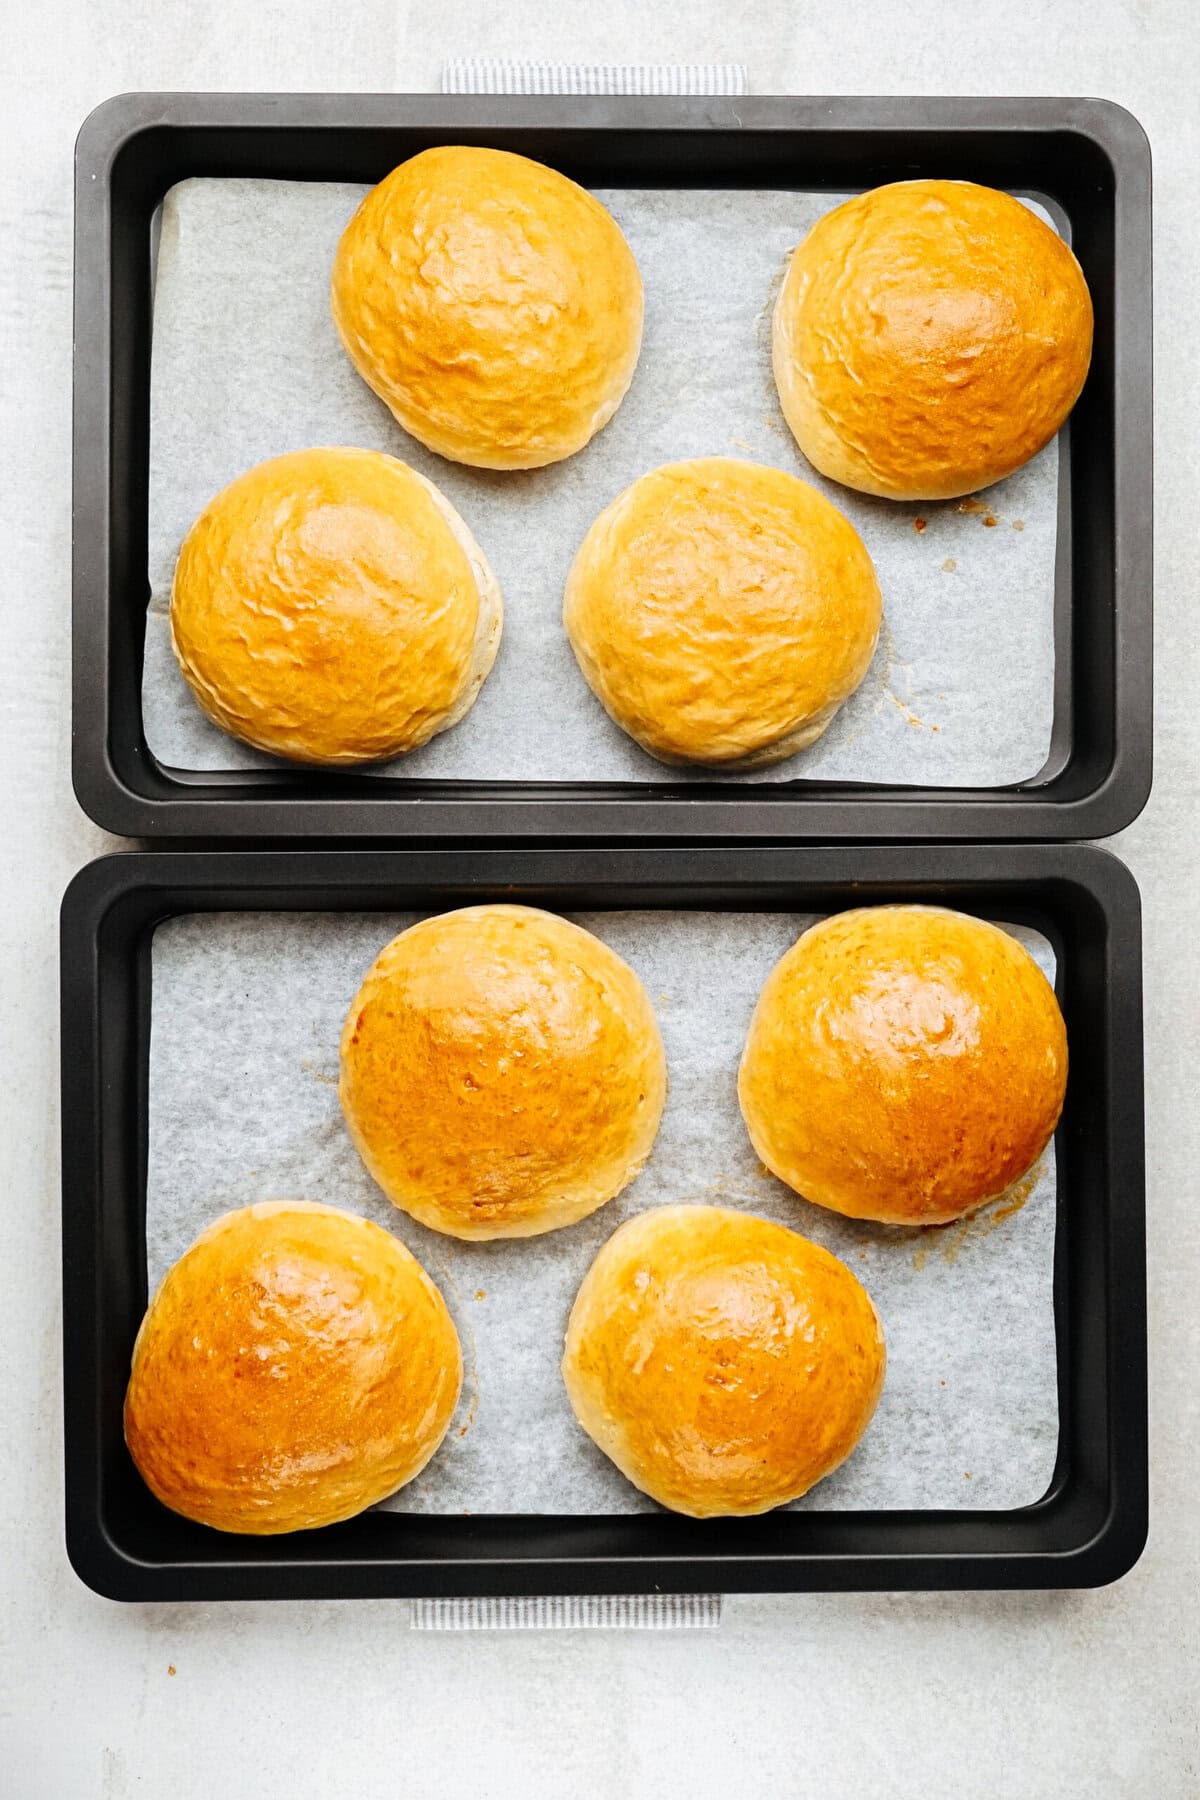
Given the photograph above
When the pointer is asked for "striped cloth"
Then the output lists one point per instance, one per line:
(580, 1612)
(571, 1612)
(488, 75)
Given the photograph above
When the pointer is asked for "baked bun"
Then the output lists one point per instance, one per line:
(723, 1363)
(331, 606)
(904, 1063)
(502, 1072)
(494, 306)
(722, 612)
(295, 1366)
(930, 337)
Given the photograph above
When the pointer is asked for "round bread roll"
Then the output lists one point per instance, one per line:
(295, 1366)
(492, 305)
(331, 606)
(722, 612)
(725, 1364)
(904, 1063)
(929, 338)
(502, 1072)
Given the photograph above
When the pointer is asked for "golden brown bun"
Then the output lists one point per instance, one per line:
(331, 606)
(930, 337)
(723, 1363)
(494, 306)
(722, 612)
(295, 1366)
(904, 1063)
(502, 1072)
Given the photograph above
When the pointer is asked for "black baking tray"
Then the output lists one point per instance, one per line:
(1089, 159)
(1088, 1528)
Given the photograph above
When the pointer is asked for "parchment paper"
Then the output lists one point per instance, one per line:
(247, 1012)
(246, 365)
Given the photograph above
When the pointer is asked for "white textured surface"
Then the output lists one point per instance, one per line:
(246, 364)
(1087, 1696)
(247, 1014)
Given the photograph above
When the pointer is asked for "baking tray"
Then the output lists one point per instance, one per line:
(1089, 1526)
(1086, 158)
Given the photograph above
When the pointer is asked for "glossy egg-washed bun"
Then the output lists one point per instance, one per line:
(722, 612)
(295, 1366)
(725, 1364)
(492, 304)
(502, 1072)
(330, 606)
(904, 1063)
(929, 338)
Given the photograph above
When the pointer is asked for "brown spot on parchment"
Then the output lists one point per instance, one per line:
(983, 1221)
(956, 1238)
(910, 717)
(310, 1068)
(950, 564)
(920, 525)
(1009, 1202)
(885, 690)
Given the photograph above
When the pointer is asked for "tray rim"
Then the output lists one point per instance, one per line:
(203, 805)
(1093, 1529)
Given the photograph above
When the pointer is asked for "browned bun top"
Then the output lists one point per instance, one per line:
(722, 612)
(929, 338)
(502, 1072)
(331, 606)
(295, 1366)
(725, 1364)
(491, 303)
(904, 1063)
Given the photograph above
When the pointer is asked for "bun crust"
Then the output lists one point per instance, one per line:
(904, 1063)
(492, 304)
(295, 1366)
(723, 1363)
(722, 612)
(502, 1072)
(929, 338)
(330, 606)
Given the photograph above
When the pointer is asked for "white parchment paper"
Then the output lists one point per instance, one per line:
(247, 1013)
(246, 365)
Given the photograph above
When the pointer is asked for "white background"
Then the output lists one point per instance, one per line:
(976, 1696)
